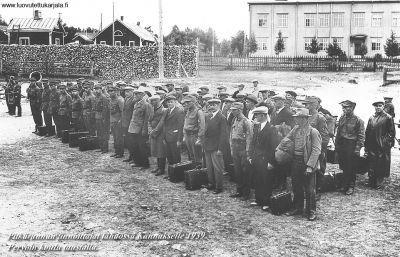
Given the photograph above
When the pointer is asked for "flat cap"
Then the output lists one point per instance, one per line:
(241, 95)
(154, 97)
(252, 98)
(261, 109)
(161, 92)
(229, 100)
(278, 97)
(388, 97)
(347, 103)
(378, 101)
(292, 93)
(237, 106)
(207, 96)
(213, 101)
(129, 88)
(170, 97)
(254, 80)
(204, 87)
(301, 112)
(188, 98)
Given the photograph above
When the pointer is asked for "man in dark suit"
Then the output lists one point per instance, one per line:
(173, 130)
(214, 141)
(281, 114)
(127, 111)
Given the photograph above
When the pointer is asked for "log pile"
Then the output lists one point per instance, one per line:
(117, 63)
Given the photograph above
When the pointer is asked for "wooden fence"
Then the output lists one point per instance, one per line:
(47, 68)
(299, 63)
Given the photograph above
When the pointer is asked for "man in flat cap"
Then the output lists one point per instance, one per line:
(281, 114)
(389, 107)
(204, 90)
(307, 148)
(262, 157)
(116, 108)
(173, 129)
(240, 137)
(34, 95)
(127, 111)
(138, 128)
(45, 105)
(54, 105)
(178, 93)
(64, 112)
(76, 110)
(349, 140)
(193, 128)
(240, 89)
(16, 93)
(214, 141)
(291, 101)
(250, 103)
(255, 90)
(102, 116)
(170, 87)
(157, 144)
(88, 113)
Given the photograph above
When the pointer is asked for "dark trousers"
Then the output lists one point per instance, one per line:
(47, 120)
(129, 143)
(90, 124)
(116, 130)
(347, 161)
(63, 122)
(263, 180)
(77, 124)
(103, 134)
(173, 153)
(242, 177)
(56, 120)
(37, 115)
(19, 108)
(161, 163)
(194, 151)
(303, 184)
(141, 150)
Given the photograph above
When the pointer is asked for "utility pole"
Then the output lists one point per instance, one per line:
(113, 28)
(160, 43)
(212, 43)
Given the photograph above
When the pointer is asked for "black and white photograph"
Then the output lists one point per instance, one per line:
(199, 128)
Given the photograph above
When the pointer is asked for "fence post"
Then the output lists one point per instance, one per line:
(231, 61)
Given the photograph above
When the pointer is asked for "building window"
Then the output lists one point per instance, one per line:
(262, 20)
(262, 43)
(102, 42)
(285, 43)
(117, 43)
(396, 19)
(323, 19)
(323, 42)
(24, 41)
(118, 33)
(339, 41)
(309, 19)
(376, 19)
(307, 43)
(57, 41)
(131, 43)
(375, 44)
(358, 19)
(282, 20)
(337, 19)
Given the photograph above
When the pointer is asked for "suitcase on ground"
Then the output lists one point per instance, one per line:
(42, 131)
(327, 182)
(176, 172)
(52, 131)
(65, 136)
(332, 157)
(195, 178)
(281, 203)
(88, 143)
(339, 179)
(74, 138)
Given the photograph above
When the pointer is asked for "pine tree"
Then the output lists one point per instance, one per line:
(252, 44)
(392, 47)
(363, 50)
(334, 49)
(280, 44)
(314, 47)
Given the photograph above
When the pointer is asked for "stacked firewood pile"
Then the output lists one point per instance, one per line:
(107, 62)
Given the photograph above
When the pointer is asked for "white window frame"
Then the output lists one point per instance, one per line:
(117, 43)
(310, 20)
(323, 19)
(359, 19)
(339, 41)
(57, 41)
(376, 19)
(262, 19)
(323, 42)
(376, 44)
(24, 38)
(283, 20)
(338, 19)
(395, 19)
(307, 43)
(103, 43)
(262, 43)
(130, 43)
(118, 33)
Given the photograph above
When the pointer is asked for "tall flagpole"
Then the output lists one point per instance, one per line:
(113, 43)
(160, 43)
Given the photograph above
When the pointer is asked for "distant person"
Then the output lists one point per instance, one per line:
(240, 89)
(389, 107)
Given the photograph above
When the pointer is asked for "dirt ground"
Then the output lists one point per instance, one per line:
(48, 188)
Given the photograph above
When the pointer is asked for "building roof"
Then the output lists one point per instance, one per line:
(85, 36)
(261, 2)
(31, 24)
(139, 31)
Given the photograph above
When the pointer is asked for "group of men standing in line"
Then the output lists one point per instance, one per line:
(12, 92)
(243, 129)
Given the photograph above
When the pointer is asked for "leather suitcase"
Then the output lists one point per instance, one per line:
(176, 172)
(42, 131)
(88, 143)
(332, 157)
(281, 203)
(339, 179)
(65, 136)
(196, 178)
(327, 182)
(74, 138)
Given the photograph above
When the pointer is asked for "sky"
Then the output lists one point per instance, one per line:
(225, 16)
